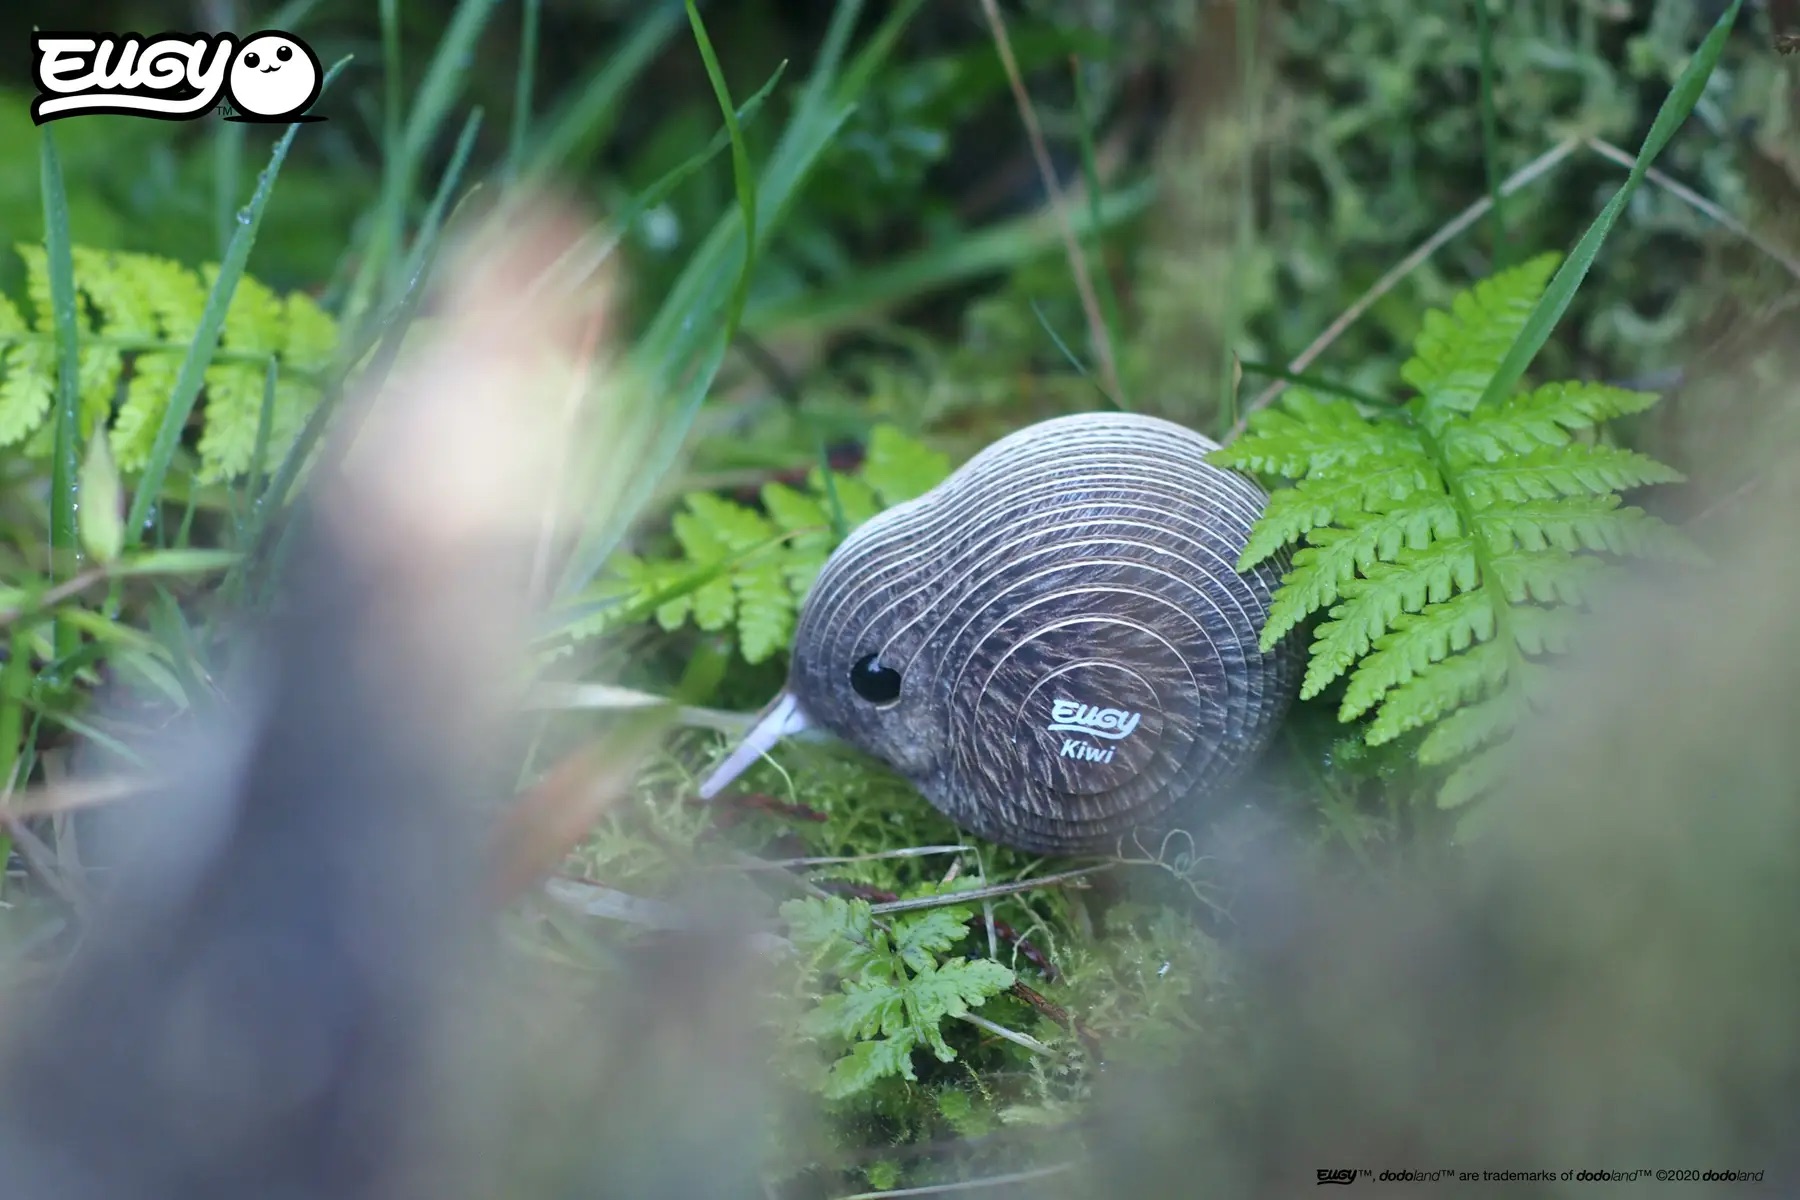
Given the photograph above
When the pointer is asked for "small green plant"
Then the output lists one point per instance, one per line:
(748, 570)
(897, 985)
(1450, 543)
(137, 315)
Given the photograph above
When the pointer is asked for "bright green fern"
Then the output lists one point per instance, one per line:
(137, 314)
(1449, 545)
(747, 569)
(896, 985)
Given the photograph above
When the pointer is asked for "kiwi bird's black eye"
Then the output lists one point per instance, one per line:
(874, 682)
(284, 52)
(250, 60)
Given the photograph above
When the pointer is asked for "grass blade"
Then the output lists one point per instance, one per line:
(1099, 337)
(1096, 195)
(206, 336)
(432, 222)
(228, 173)
(15, 690)
(999, 247)
(265, 418)
(583, 260)
(440, 87)
(1079, 367)
(742, 179)
(1490, 130)
(386, 350)
(1317, 383)
(380, 349)
(524, 87)
(586, 119)
(65, 460)
(1561, 292)
(393, 96)
(175, 562)
(682, 349)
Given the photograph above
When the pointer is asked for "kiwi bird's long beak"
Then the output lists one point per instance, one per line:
(783, 717)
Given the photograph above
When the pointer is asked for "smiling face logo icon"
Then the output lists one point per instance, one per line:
(274, 77)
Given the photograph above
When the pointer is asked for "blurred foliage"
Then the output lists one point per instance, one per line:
(141, 312)
(1367, 139)
(150, 187)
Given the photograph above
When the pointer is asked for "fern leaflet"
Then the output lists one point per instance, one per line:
(137, 315)
(1448, 545)
(746, 570)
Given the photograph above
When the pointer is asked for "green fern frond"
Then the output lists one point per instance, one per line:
(1472, 728)
(1544, 417)
(807, 525)
(1416, 642)
(1323, 497)
(137, 315)
(1474, 778)
(1450, 548)
(1375, 602)
(1553, 471)
(897, 985)
(1453, 682)
(1314, 433)
(745, 569)
(1458, 351)
(900, 469)
(1334, 554)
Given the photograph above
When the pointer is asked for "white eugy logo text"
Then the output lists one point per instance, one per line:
(268, 76)
(1071, 716)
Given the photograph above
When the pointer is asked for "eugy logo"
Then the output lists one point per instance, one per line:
(1070, 716)
(269, 76)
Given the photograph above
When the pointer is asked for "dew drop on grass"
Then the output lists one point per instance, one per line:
(662, 228)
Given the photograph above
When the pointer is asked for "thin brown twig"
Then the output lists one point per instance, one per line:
(969, 1185)
(1023, 1040)
(997, 930)
(1525, 175)
(68, 589)
(1681, 191)
(1084, 284)
(70, 796)
(832, 860)
(982, 893)
(1057, 1013)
